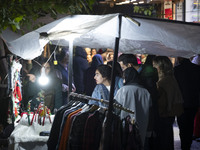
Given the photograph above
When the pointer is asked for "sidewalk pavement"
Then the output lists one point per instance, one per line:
(177, 143)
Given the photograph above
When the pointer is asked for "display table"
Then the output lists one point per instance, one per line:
(27, 137)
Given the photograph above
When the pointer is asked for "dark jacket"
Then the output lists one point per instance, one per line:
(188, 76)
(80, 65)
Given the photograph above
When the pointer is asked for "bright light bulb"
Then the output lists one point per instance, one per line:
(43, 79)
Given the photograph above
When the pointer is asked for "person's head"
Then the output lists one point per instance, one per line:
(163, 65)
(80, 52)
(149, 59)
(109, 56)
(88, 51)
(89, 58)
(93, 51)
(131, 76)
(103, 74)
(64, 55)
(118, 68)
(96, 60)
(127, 60)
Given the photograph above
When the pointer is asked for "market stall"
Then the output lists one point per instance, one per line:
(125, 34)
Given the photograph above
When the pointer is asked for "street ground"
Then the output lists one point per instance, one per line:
(177, 143)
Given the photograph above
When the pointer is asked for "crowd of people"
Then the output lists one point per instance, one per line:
(157, 90)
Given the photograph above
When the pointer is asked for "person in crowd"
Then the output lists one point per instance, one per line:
(188, 76)
(119, 73)
(61, 71)
(93, 52)
(80, 65)
(134, 96)
(148, 76)
(170, 102)
(149, 60)
(89, 57)
(50, 94)
(89, 81)
(103, 81)
(196, 133)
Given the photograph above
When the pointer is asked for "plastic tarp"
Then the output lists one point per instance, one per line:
(159, 37)
(27, 136)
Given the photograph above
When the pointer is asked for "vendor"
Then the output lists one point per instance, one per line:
(50, 93)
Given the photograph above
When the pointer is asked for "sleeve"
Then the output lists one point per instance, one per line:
(95, 94)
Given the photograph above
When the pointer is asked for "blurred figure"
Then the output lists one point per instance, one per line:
(132, 95)
(80, 65)
(109, 56)
(37, 92)
(89, 57)
(62, 73)
(93, 52)
(89, 80)
(170, 103)
(188, 76)
(149, 60)
(196, 133)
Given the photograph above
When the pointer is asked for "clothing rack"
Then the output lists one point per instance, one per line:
(85, 97)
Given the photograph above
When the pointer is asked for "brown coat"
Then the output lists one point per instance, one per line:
(170, 102)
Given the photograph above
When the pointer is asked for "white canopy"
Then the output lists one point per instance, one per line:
(159, 37)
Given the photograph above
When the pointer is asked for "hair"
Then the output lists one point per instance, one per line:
(131, 76)
(63, 53)
(149, 59)
(118, 68)
(128, 58)
(105, 71)
(164, 64)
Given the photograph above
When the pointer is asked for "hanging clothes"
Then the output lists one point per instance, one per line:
(79, 126)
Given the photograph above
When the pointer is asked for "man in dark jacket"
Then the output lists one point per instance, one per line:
(188, 76)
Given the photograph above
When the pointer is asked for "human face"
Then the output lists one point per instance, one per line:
(94, 52)
(123, 66)
(98, 77)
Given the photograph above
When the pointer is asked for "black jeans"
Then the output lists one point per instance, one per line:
(186, 126)
(165, 133)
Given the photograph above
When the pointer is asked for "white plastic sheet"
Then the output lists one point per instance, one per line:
(157, 37)
(25, 136)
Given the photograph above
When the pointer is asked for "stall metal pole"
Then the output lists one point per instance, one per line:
(108, 123)
(70, 68)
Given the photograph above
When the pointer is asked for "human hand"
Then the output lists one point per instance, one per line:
(73, 88)
(32, 77)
